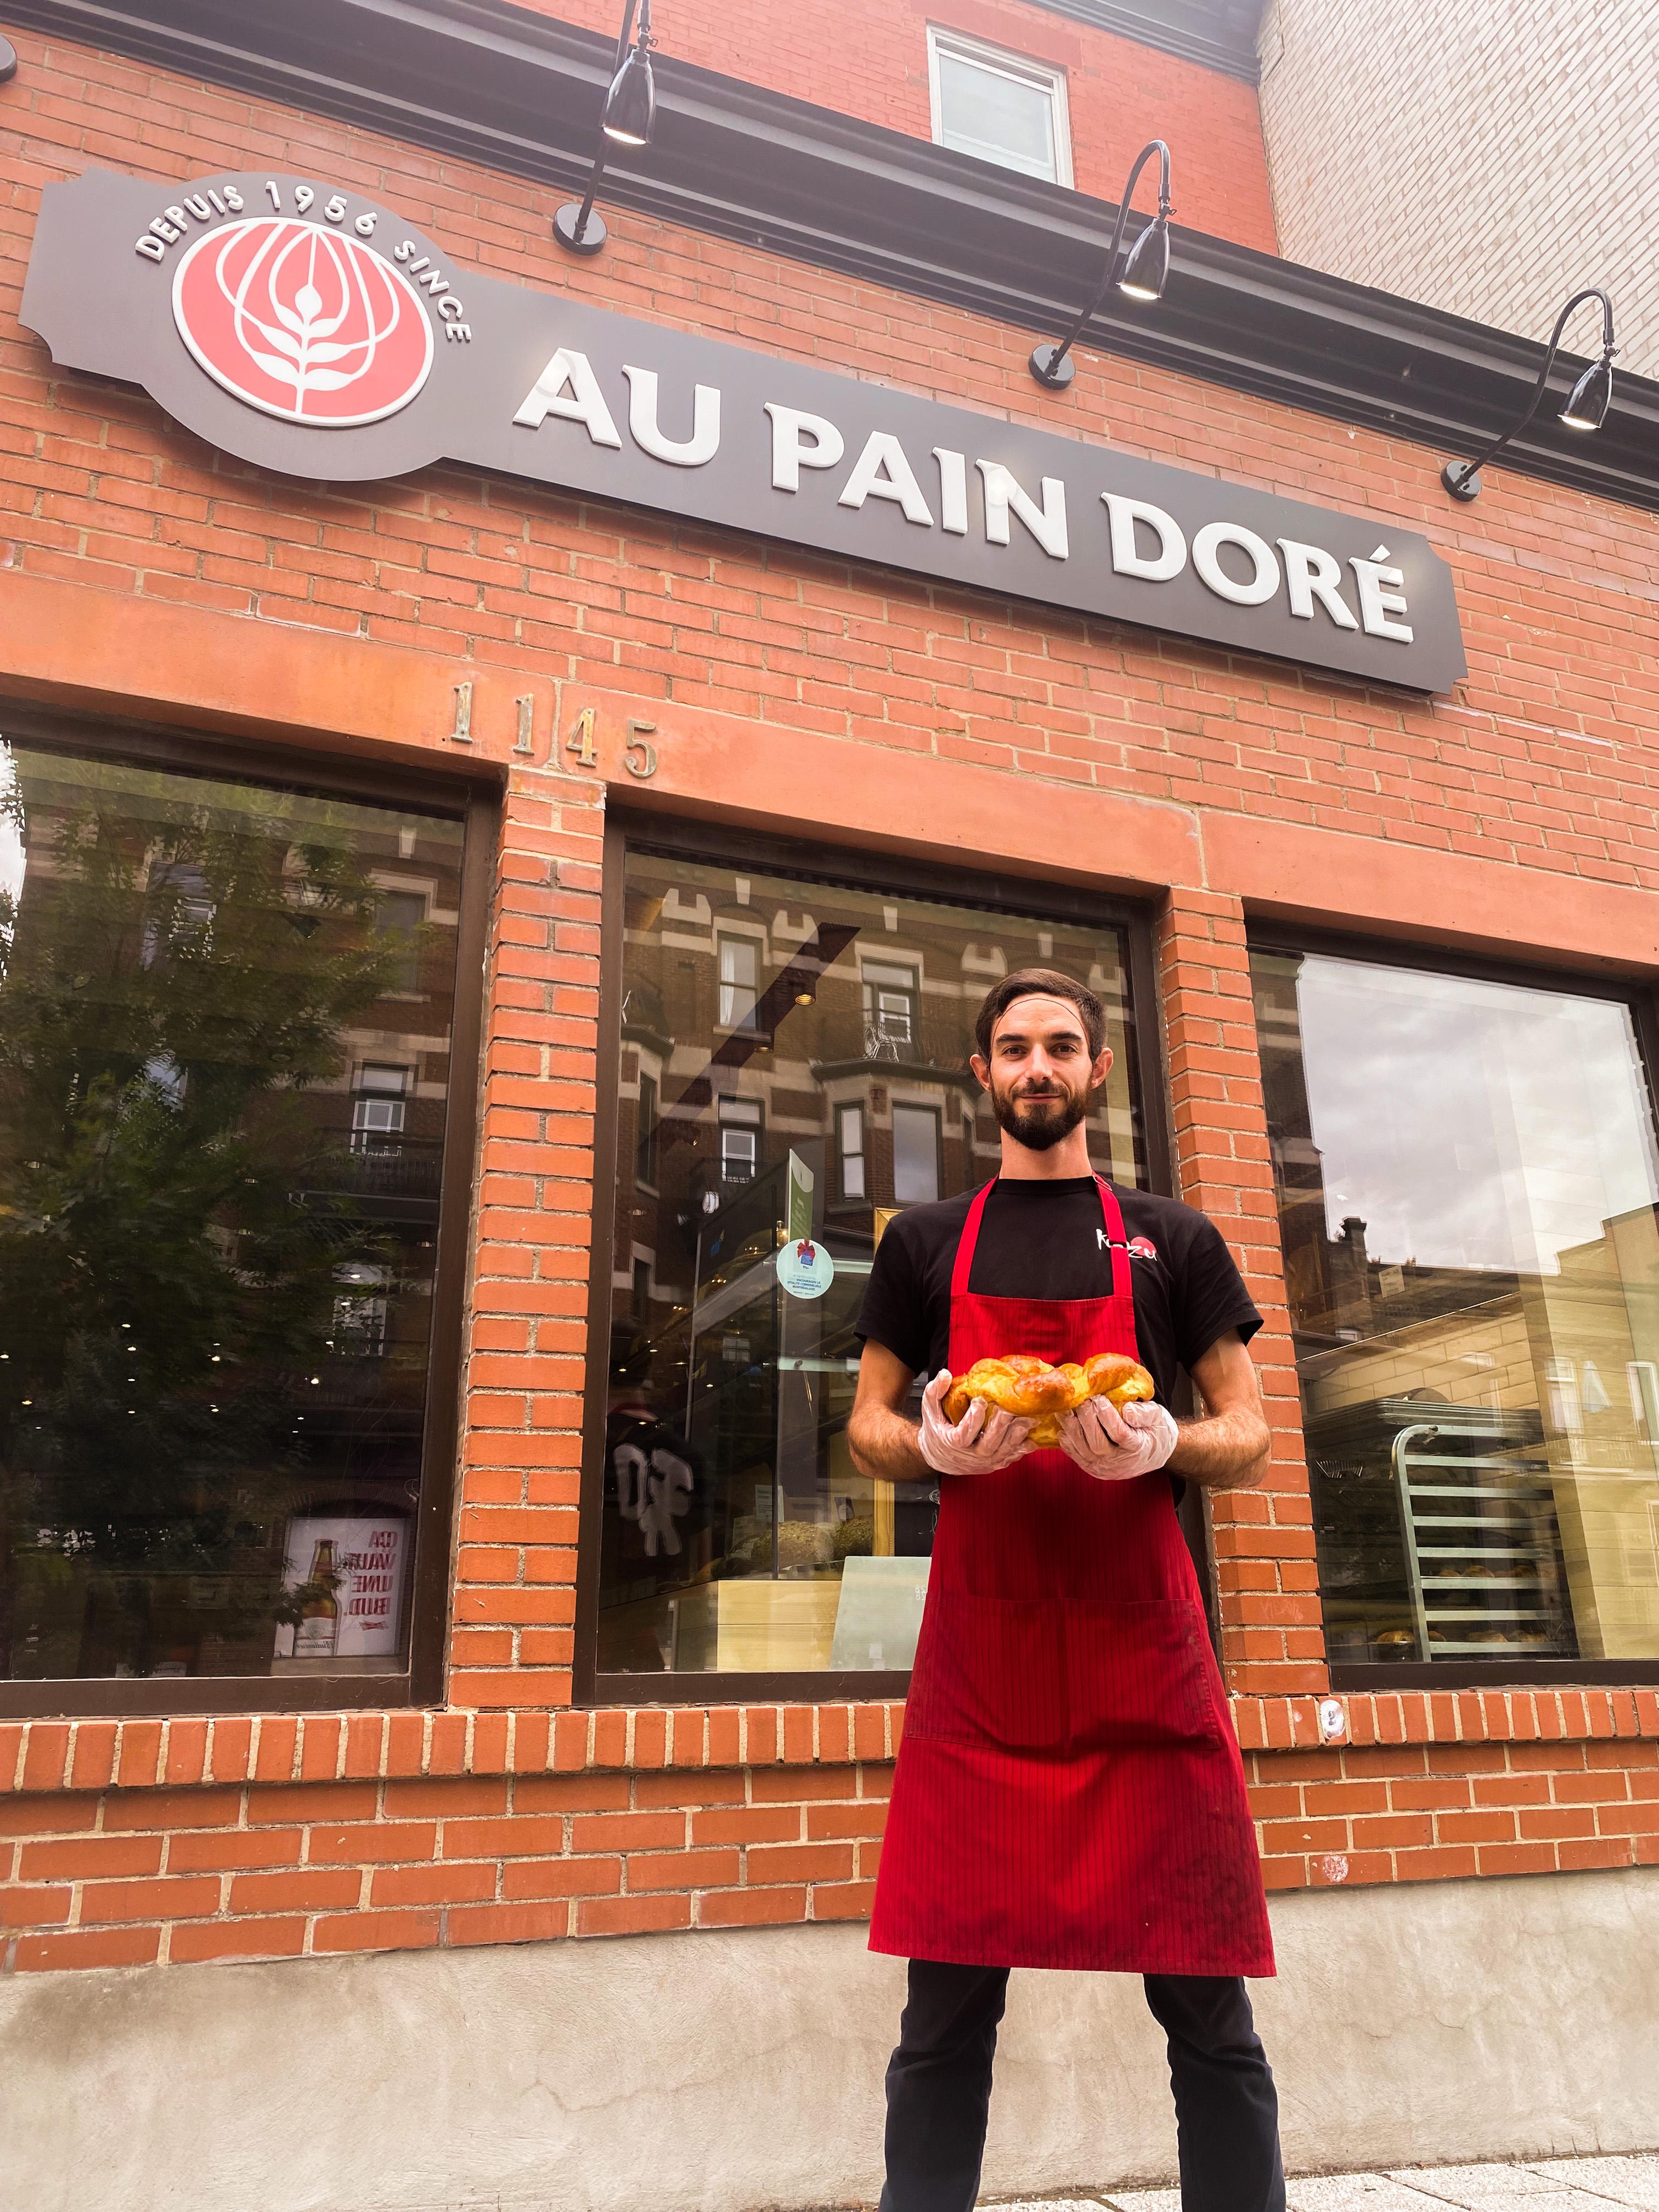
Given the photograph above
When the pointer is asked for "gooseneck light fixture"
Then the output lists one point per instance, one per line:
(630, 116)
(1586, 407)
(1144, 272)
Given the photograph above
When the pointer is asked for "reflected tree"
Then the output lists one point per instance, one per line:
(175, 975)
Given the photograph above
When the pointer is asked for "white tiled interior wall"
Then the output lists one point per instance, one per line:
(1485, 156)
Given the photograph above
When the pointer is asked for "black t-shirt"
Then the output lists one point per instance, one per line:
(1045, 1240)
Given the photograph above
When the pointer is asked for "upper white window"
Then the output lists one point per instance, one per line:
(1001, 106)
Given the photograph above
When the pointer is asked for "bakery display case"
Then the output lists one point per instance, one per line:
(1481, 1538)
(1437, 1532)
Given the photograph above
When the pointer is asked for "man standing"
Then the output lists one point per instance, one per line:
(1069, 1793)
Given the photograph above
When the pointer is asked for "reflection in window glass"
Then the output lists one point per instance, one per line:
(647, 1126)
(850, 1121)
(737, 981)
(399, 915)
(915, 1154)
(737, 1534)
(1467, 1186)
(890, 1005)
(739, 1122)
(378, 1110)
(221, 1123)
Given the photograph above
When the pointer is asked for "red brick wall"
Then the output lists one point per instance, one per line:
(869, 58)
(140, 571)
(131, 1846)
(1262, 1539)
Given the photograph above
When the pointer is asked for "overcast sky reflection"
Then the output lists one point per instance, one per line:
(1471, 1124)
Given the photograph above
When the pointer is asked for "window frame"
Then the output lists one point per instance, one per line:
(1002, 61)
(648, 1129)
(409, 987)
(471, 796)
(845, 1156)
(750, 1117)
(682, 837)
(936, 1115)
(878, 978)
(1640, 999)
(750, 942)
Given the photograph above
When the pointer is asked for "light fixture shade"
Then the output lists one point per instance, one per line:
(630, 105)
(1590, 398)
(1147, 271)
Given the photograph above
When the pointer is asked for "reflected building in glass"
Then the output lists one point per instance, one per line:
(782, 1032)
(1467, 1186)
(225, 1031)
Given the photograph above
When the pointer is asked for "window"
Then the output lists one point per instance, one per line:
(360, 1312)
(740, 1126)
(735, 1536)
(216, 1308)
(1467, 1184)
(378, 1110)
(398, 918)
(737, 956)
(999, 107)
(849, 1137)
(916, 1155)
(890, 1010)
(646, 1163)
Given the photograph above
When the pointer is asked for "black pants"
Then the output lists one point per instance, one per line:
(938, 2091)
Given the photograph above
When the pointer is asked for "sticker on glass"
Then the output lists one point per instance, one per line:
(805, 1269)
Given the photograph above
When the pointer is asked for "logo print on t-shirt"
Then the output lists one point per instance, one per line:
(1139, 1248)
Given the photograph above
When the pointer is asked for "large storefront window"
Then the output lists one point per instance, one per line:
(1467, 1185)
(794, 1051)
(225, 1033)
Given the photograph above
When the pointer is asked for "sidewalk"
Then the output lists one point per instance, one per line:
(1555, 2184)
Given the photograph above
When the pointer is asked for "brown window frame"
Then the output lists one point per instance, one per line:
(1641, 999)
(472, 797)
(827, 863)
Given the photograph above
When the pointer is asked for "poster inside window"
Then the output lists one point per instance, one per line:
(225, 1028)
(793, 1070)
(1467, 1179)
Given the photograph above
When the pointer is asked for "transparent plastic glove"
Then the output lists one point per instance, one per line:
(986, 1438)
(1112, 1446)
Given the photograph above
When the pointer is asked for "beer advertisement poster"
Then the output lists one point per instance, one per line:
(343, 1580)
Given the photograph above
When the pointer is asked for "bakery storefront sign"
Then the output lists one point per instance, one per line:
(310, 330)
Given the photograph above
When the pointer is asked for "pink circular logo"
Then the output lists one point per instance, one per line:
(1143, 1248)
(302, 322)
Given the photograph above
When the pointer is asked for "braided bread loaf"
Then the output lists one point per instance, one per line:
(1037, 1392)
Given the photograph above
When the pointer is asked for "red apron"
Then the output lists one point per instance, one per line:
(1069, 1790)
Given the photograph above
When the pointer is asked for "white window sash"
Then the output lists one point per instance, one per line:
(1019, 68)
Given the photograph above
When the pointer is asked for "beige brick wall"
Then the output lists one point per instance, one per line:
(1485, 156)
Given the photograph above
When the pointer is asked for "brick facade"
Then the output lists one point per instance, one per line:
(134, 1842)
(1489, 163)
(1120, 94)
(141, 573)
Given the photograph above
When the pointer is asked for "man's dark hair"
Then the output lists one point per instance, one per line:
(1040, 982)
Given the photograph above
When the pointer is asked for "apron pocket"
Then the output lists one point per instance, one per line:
(1138, 1674)
(990, 1671)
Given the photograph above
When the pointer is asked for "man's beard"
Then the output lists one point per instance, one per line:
(1040, 1123)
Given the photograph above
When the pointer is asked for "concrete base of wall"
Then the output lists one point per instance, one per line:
(727, 2072)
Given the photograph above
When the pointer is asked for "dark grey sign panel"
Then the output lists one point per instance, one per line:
(312, 331)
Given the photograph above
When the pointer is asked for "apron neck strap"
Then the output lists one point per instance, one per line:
(1116, 1242)
(1111, 1213)
(966, 1241)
